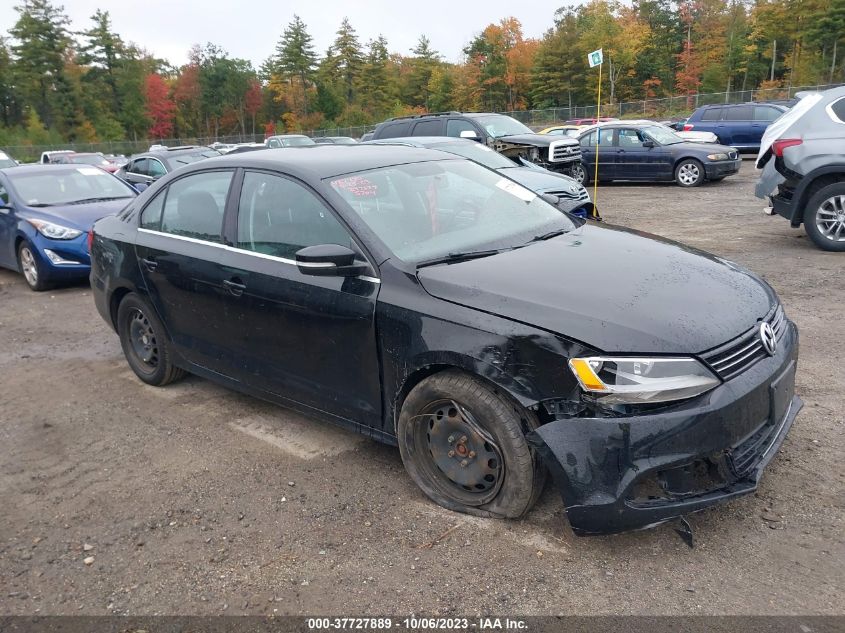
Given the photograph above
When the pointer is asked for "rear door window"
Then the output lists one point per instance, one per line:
(194, 206)
(431, 127)
(395, 129)
(739, 113)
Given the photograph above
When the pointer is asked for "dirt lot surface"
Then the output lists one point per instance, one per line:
(192, 499)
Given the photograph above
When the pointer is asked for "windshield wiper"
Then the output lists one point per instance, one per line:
(549, 235)
(84, 200)
(453, 258)
(41, 204)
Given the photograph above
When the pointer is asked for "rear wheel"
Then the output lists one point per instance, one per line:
(144, 342)
(824, 217)
(464, 445)
(579, 173)
(689, 173)
(31, 268)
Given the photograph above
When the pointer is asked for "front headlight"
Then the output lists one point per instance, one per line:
(54, 231)
(619, 380)
(717, 156)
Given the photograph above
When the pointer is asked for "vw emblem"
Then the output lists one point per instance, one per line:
(767, 336)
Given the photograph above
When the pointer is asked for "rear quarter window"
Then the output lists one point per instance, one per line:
(711, 114)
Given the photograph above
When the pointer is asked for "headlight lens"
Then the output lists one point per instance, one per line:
(619, 380)
(717, 156)
(54, 231)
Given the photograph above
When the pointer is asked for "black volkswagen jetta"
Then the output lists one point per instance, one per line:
(429, 302)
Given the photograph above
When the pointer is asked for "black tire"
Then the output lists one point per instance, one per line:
(689, 173)
(579, 173)
(31, 268)
(149, 357)
(518, 473)
(824, 217)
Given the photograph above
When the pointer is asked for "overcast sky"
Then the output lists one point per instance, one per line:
(250, 28)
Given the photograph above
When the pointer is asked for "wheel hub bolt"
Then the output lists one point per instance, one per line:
(464, 463)
(451, 439)
(463, 439)
(472, 454)
(451, 453)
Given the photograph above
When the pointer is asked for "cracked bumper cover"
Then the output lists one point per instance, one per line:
(694, 455)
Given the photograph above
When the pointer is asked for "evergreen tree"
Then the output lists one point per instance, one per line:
(295, 58)
(377, 90)
(349, 58)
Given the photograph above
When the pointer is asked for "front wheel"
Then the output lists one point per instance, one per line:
(824, 217)
(689, 173)
(145, 343)
(464, 445)
(579, 173)
(31, 268)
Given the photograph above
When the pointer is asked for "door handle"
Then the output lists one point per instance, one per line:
(150, 264)
(235, 286)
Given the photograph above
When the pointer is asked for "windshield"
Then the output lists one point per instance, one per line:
(89, 159)
(55, 187)
(423, 211)
(662, 135)
(476, 152)
(500, 125)
(186, 159)
(7, 162)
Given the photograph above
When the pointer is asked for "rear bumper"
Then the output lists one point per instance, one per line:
(619, 474)
(723, 168)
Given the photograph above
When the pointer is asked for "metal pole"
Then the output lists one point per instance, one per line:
(598, 136)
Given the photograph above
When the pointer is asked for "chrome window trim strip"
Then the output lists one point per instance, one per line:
(235, 249)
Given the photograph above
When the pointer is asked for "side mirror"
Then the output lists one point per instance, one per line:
(470, 134)
(648, 144)
(329, 260)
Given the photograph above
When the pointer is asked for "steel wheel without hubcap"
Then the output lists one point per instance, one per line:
(830, 218)
(461, 459)
(689, 174)
(143, 340)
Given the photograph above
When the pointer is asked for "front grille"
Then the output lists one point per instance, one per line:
(734, 357)
(564, 151)
(579, 194)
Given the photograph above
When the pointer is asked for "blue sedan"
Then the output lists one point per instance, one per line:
(46, 212)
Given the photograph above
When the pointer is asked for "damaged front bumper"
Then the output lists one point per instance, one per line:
(627, 473)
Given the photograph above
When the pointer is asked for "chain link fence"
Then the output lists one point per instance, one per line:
(667, 108)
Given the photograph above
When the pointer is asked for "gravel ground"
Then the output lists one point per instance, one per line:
(125, 499)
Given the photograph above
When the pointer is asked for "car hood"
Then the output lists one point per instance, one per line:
(614, 289)
(701, 148)
(541, 180)
(537, 140)
(78, 216)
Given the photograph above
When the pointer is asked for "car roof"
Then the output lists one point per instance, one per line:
(422, 141)
(289, 136)
(324, 161)
(46, 168)
(176, 151)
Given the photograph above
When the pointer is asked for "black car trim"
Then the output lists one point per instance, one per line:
(226, 247)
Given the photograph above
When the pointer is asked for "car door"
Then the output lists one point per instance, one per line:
(180, 252)
(306, 338)
(632, 158)
(155, 168)
(763, 117)
(8, 220)
(738, 120)
(606, 153)
(137, 171)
